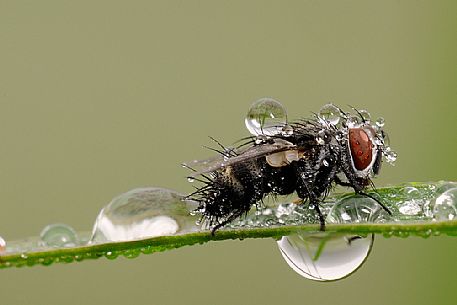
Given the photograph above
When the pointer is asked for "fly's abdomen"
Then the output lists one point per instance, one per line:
(233, 190)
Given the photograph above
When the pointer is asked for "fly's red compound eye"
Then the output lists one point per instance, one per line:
(361, 148)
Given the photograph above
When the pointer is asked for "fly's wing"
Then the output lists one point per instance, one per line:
(249, 153)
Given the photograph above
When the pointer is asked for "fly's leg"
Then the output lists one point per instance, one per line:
(315, 205)
(377, 201)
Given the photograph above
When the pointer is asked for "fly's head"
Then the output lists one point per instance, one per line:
(363, 142)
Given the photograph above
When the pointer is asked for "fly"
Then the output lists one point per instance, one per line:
(308, 157)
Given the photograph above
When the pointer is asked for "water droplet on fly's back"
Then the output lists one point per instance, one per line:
(330, 114)
(59, 235)
(380, 122)
(321, 137)
(266, 117)
(142, 213)
(444, 206)
(365, 115)
(287, 131)
(325, 256)
(352, 121)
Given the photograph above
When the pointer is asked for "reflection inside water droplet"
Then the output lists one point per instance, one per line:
(330, 114)
(357, 209)
(365, 115)
(326, 256)
(143, 213)
(445, 205)
(59, 235)
(266, 117)
(323, 256)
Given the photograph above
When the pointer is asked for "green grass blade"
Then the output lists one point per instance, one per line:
(401, 226)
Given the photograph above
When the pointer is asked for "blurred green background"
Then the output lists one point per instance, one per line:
(98, 97)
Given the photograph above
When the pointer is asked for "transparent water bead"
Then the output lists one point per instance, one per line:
(144, 212)
(324, 256)
(357, 209)
(59, 235)
(287, 130)
(352, 121)
(414, 203)
(445, 205)
(380, 122)
(390, 155)
(330, 114)
(443, 186)
(266, 117)
(365, 115)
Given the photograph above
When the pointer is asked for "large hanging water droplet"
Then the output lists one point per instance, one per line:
(445, 205)
(325, 256)
(266, 117)
(330, 114)
(357, 209)
(59, 235)
(142, 213)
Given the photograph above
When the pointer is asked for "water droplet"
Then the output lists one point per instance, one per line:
(410, 207)
(445, 205)
(287, 131)
(142, 213)
(323, 256)
(266, 117)
(132, 253)
(352, 121)
(365, 115)
(380, 122)
(284, 210)
(2, 244)
(260, 139)
(443, 186)
(356, 209)
(414, 203)
(330, 114)
(386, 139)
(190, 179)
(378, 141)
(59, 235)
(390, 155)
(321, 137)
